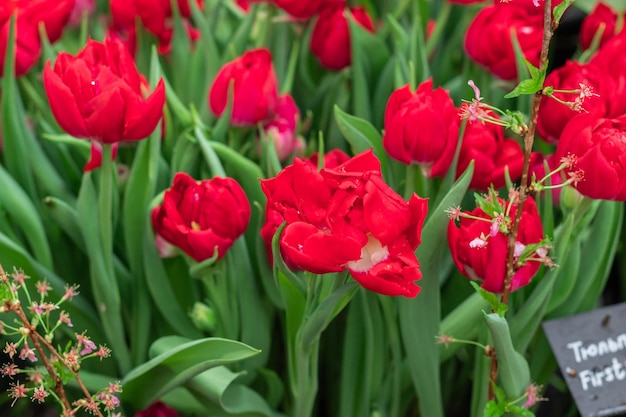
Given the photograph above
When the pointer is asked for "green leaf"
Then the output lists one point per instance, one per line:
(493, 409)
(526, 87)
(520, 411)
(160, 287)
(103, 281)
(361, 135)
(140, 188)
(462, 323)
(422, 355)
(369, 56)
(14, 149)
(326, 311)
(179, 364)
(560, 9)
(599, 250)
(513, 370)
(493, 300)
(24, 215)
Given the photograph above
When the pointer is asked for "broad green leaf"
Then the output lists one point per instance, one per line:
(361, 135)
(161, 289)
(419, 335)
(14, 150)
(25, 216)
(567, 277)
(177, 365)
(326, 311)
(599, 250)
(103, 281)
(369, 56)
(462, 323)
(513, 370)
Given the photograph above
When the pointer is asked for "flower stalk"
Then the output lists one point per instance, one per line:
(548, 31)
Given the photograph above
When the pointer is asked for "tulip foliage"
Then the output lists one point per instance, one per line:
(297, 208)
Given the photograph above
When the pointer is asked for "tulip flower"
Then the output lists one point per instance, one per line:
(479, 245)
(484, 143)
(330, 41)
(53, 14)
(602, 14)
(202, 217)
(488, 37)
(97, 95)
(347, 217)
(422, 128)
(254, 88)
(598, 146)
(157, 409)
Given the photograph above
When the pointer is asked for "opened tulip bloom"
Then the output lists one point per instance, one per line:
(202, 218)
(348, 218)
(97, 94)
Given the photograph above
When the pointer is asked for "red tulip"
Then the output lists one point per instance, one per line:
(488, 37)
(610, 60)
(602, 14)
(599, 148)
(597, 97)
(484, 143)
(422, 128)
(273, 218)
(480, 250)
(330, 41)
(347, 217)
(202, 217)
(97, 94)
(157, 409)
(53, 14)
(283, 126)
(254, 88)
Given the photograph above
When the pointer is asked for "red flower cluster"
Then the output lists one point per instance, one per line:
(53, 14)
(202, 217)
(348, 217)
(156, 17)
(479, 245)
(97, 94)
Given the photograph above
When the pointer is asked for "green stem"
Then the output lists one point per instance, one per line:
(440, 24)
(104, 203)
(306, 378)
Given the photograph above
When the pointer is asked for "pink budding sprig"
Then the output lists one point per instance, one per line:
(32, 332)
(577, 104)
